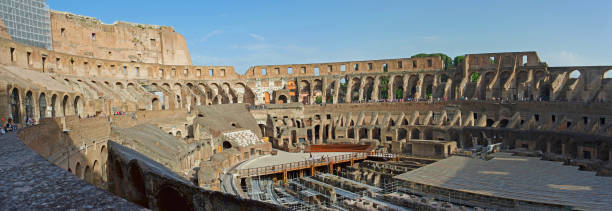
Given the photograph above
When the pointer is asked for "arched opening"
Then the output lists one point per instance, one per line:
(139, 195)
(607, 74)
(412, 86)
(368, 89)
(401, 133)
(376, 133)
(155, 104)
(545, 95)
(64, 102)
(266, 98)
(282, 99)
(363, 133)
(490, 122)
(97, 173)
(42, 105)
(503, 123)
(354, 90)
(15, 105)
(77, 105)
(416, 134)
(398, 87)
(227, 145)
(53, 104)
(77, 170)
(87, 176)
(29, 106)
(170, 199)
(575, 74)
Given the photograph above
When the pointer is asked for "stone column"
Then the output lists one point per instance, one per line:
(419, 88)
(336, 90)
(390, 87)
(375, 88)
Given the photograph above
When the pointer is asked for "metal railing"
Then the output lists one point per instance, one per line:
(300, 164)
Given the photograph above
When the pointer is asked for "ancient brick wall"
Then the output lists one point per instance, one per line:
(86, 36)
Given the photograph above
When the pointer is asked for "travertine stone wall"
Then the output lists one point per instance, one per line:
(120, 41)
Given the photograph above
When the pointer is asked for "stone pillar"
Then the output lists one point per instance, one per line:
(336, 90)
(361, 89)
(375, 89)
(324, 90)
(419, 88)
(390, 87)
(349, 91)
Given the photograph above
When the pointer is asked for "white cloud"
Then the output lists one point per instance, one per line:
(257, 37)
(211, 34)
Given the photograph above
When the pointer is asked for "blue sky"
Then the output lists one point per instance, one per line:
(246, 33)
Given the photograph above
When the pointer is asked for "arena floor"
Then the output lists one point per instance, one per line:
(520, 178)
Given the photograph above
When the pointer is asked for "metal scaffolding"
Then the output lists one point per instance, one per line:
(27, 21)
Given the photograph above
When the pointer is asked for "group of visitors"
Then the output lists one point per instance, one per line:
(7, 126)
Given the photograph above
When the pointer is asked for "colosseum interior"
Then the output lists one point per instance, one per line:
(116, 116)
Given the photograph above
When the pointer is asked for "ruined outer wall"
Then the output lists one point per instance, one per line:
(86, 36)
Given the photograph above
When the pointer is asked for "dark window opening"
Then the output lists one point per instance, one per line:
(93, 36)
(12, 54)
(429, 63)
(369, 66)
(28, 55)
(62, 31)
(586, 154)
(585, 119)
(537, 117)
(399, 64)
(554, 118)
(602, 120)
(414, 64)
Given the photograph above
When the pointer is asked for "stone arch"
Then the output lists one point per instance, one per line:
(428, 89)
(64, 104)
(413, 81)
(282, 99)
(227, 145)
(119, 85)
(42, 105)
(248, 96)
(155, 104)
(304, 92)
(266, 98)
(97, 173)
(78, 106)
(330, 91)
(353, 91)
(29, 105)
(317, 92)
(402, 133)
(484, 85)
(88, 175)
(15, 105)
(415, 134)
(137, 181)
(398, 87)
(575, 74)
(607, 74)
(368, 88)
(169, 198)
(77, 170)
(503, 123)
(54, 103)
